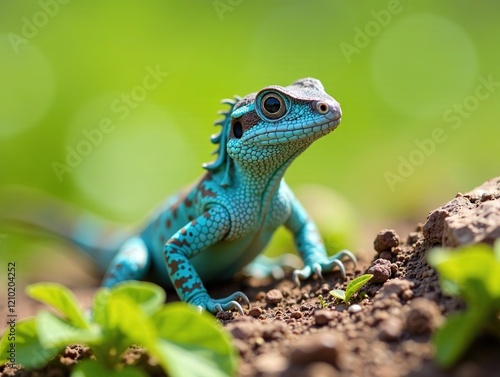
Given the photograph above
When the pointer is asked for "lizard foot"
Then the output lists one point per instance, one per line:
(327, 265)
(223, 304)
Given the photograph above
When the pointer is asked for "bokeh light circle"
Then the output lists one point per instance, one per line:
(422, 64)
(27, 85)
(135, 164)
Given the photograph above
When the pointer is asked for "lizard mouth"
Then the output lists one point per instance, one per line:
(290, 132)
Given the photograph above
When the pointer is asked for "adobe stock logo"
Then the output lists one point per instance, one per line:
(372, 29)
(454, 115)
(121, 108)
(223, 6)
(31, 26)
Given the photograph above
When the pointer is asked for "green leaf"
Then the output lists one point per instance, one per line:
(355, 285)
(453, 338)
(130, 320)
(29, 352)
(469, 262)
(471, 271)
(496, 250)
(123, 322)
(56, 332)
(339, 293)
(475, 262)
(124, 312)
(149, 296)
(193, 344)
(100, 306)
(60, 298)
(89, 368)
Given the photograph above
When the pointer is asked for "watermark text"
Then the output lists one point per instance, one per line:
(121, 109)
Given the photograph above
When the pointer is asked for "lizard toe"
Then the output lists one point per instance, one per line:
(302, 274)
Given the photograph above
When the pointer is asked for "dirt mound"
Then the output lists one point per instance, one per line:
(388, 333)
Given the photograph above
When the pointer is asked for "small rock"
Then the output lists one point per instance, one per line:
(480, 224)
(67, 360)
(320, 370)
(305, 307)
(407, 295)
(385, 240)
(397, 250)
(469, 217)
(270, 363)
(321, 347)
(354, 309)
(380, 316)
(424, 317)
(296, 315)
(311, 370)
(245, 327)
(261, 296)
(255, 311)
(322, 316)
(394, 268)
(390, 329)
(395, 286)
(224, 316)
(71, 352)
(274, 330)
(381, 270)
(274, 296)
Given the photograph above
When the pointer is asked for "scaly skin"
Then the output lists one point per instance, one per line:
(219, 226)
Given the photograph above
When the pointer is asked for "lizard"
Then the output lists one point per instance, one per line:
(224, 221)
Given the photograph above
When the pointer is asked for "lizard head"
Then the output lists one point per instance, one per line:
(276, 123)
(296, 114)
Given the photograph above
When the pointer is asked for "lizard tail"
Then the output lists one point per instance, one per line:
(33, 210)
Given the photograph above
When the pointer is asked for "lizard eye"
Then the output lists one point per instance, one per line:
(272, 106)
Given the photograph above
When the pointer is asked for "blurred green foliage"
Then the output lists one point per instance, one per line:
(420, 121)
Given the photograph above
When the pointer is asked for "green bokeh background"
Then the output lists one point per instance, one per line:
(398, 68)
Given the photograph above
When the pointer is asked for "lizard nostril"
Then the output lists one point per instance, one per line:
(322, 107)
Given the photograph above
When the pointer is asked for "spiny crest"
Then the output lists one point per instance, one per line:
(223, 160)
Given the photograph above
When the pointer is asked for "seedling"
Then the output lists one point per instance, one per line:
(185, 342)
(353, 286)
(362, 295)
(473, 273)
(322, 301)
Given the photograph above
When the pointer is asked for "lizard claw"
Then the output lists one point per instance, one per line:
(303, 274)
(317, 271)
(232, 302)
(224, 304)
(228, 306)
(327, 265)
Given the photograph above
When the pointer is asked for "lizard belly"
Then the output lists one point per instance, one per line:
(219, 262)
(227, 258)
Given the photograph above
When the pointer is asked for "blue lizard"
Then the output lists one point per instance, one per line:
(220, 225)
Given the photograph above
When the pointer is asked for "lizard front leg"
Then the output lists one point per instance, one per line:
(311, 247)
(193, 238)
